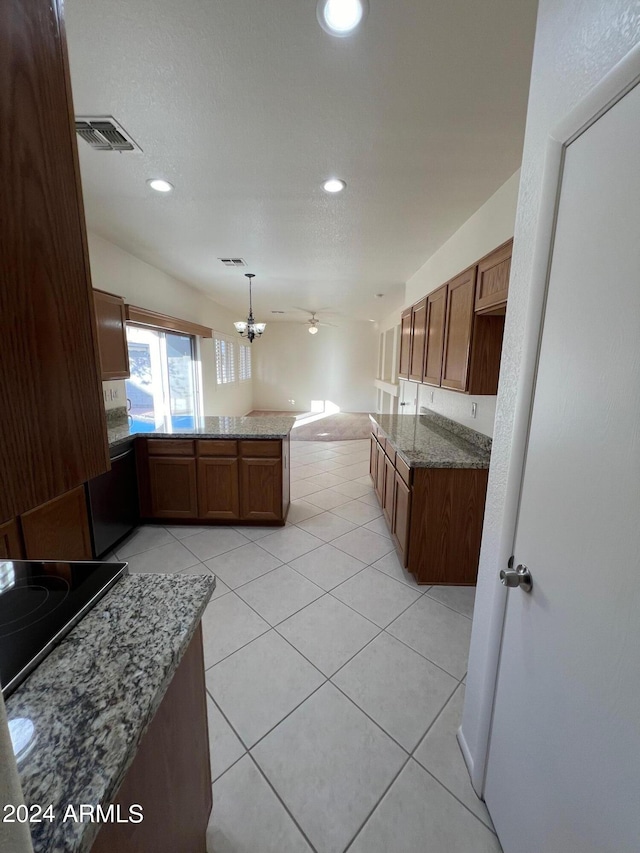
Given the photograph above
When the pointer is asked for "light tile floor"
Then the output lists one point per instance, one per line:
(335, 682)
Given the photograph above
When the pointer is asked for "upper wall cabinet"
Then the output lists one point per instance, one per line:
(458, 327)
(418, 339)
(456, 332)
(53, 422)
(112, 335)
(436, 316)
(493, 279)
(405, 344)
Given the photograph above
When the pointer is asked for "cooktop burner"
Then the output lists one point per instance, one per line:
(40, 602)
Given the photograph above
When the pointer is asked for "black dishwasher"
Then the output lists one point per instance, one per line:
(113, 500)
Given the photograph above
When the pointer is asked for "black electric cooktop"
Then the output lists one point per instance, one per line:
(40, 602)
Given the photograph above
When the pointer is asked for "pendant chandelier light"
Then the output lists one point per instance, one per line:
(249, 328)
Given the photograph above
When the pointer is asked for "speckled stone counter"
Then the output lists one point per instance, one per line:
(213, 427)
(430, 440)
(92, 699)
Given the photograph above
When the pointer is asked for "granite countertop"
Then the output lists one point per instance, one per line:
(430, 440)
(211, 427)
(92, 699)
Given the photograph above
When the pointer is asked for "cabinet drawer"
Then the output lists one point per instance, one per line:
(403, 469)
(271, 449)
(217, 447)
(170, 447)
(390, 452)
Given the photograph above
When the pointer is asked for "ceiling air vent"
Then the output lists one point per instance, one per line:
(233, 262)
(277, 312)
(103, 133)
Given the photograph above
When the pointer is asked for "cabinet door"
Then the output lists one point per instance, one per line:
(112, 336)
(172, 487)
(373, 458)
(59, 529)
(434, 346)
(493, 278)
(401, 518)
(261, 489)
(380, 471)
(218, 488)
(418, 339)
(459, 323)
(405, 344)
(53, 430)
(389, 491)
(10, 541)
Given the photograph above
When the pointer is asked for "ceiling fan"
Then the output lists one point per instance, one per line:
(313, 322)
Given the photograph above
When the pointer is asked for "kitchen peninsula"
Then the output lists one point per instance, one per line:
(430, 475)
(116, 714)
(225, 470)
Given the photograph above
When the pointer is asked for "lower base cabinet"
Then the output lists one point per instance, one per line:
(58, 529)
(170, 776)
(220, 481)
(10, 541)
(434, 515)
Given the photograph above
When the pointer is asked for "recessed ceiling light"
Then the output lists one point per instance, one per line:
(334, 185)
(160, 186)
(341, 17)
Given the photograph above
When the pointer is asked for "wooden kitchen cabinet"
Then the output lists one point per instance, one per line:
(434, 344)
(389, 492)
(170, 776)
(10, 541)
(218, 488)
(172, 487)
(458, 327)
(418, 340)
(492, 288)
(373, 458)
(53, 430)
(401, 517)
(112, 335)
(434, 516)
(405, 344)
(216, 480)
(261, 489)
(58, 529)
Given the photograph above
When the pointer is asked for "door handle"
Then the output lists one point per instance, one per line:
(521, 577)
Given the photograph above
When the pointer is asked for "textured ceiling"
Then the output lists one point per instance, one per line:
(246, 106)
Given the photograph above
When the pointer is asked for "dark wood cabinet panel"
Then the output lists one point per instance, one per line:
(170, 776)
(418, 340)
(261, 489)
(172, 487)
(218, 488)
(401, 517)
(216, 447)
(446, 524)
(170, 447)
(458, 327)
(59, 529)
(53, 423)
(486, 352)
(112, 336)
(389, 491)
(492, 289)
(380, 472)
(10, 541)
(405, 344)
(373, 458)
(262, 447)
(434, 344)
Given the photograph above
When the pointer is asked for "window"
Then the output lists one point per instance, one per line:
(245, 362)
(163, 388)
(225, 359)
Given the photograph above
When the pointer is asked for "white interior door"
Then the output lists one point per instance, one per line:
(408, 398)
(563, 773)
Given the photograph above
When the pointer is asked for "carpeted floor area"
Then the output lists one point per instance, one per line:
(343, 426)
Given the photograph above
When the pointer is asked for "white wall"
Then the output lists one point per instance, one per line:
(337, 364)
(577, 43)
(140, 284)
